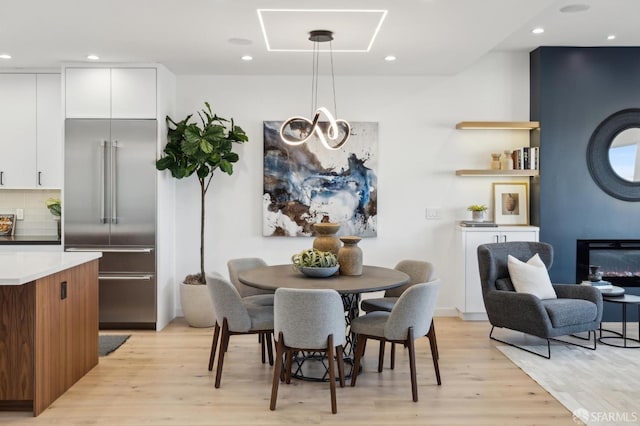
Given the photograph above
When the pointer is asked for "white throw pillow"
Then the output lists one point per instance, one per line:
(531, 277)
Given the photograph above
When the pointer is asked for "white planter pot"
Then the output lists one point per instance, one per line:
(478, 216)
(197, 306)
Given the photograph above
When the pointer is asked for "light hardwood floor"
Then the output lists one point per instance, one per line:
(161, 378)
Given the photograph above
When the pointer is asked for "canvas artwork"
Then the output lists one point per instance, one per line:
(305, 183)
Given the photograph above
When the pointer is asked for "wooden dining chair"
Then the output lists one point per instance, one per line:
(419, 271)
(308, 320)
(235, 317)
(410, 318)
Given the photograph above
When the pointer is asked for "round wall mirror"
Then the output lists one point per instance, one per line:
(613, 155)
(623, 154)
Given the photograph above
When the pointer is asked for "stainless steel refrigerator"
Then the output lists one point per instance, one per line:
(109, 206)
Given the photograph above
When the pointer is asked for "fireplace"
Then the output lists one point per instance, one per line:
(619, 261)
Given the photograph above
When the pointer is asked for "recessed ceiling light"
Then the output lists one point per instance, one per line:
(5, 56)
(611, 37)
(574, 8)
(390, 58)
(247, 58)
(239, 41)
(538, 30)
(93, 57)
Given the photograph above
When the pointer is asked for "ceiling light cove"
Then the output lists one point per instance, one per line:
(538, 30)
(5, 56)
(574, 8)
(285, 30)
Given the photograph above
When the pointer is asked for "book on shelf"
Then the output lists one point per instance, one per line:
(472, 224)
(526, 158)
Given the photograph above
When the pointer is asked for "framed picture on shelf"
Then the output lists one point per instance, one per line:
(7, 224)
(511, 203)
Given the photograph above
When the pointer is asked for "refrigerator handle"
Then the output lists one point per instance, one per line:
(125, 277)
(103, 148)
(114, 183)
(111, 249)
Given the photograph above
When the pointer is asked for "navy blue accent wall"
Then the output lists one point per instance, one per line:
(572, 90)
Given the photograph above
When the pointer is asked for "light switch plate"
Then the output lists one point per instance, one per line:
(20, 214)
(433, 213)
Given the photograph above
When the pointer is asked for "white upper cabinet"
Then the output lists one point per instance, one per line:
(110, 93)
(17, 130)
(133, 93)
(49, 158)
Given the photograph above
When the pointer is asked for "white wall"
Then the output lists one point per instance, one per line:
(419, 149)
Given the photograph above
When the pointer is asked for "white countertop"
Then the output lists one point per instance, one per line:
(18, 268)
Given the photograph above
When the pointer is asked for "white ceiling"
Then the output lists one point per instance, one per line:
(193, 36)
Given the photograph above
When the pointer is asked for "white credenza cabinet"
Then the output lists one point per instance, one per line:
(119, 92)
(469, 303)
(30, 131)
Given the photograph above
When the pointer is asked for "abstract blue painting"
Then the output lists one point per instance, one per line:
(307, 183)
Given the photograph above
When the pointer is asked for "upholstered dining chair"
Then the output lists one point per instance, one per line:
(308, 320)
(419, 271)
(410, 318)
(235, 317)
(563, 309)
(250, 294)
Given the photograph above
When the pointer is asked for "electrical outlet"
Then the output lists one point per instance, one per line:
(433, 213)
(20, 214)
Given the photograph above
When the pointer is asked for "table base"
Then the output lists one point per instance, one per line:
(623, 341)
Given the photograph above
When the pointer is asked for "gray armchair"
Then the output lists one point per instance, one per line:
(577, 308)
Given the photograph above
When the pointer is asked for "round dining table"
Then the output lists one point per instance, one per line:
(350, 287)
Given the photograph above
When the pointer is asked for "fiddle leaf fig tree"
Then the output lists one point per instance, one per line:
(201, 149)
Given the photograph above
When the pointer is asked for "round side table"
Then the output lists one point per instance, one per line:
(621, 340)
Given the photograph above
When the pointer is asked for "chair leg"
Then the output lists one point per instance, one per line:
(362, 341)
(267, 336)
(262, 347)
(340, 361)
(224, 344)
(332, 374)
(412, 364)
(392, 364)
(277, 372)
(431, 334)
(289, 365)
(434, 352)
(381, 356)
(214, 345)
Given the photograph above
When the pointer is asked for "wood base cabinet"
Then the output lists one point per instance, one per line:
(49, 336)
(469, 302)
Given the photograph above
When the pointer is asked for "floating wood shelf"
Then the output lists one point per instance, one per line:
(485, 172)
(499, 125)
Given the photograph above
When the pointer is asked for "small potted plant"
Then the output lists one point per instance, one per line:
(55, 208)
(478, 212)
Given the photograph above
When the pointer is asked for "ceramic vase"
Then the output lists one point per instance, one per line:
(350, 256)
(326, 239)
(595, 275)
(495, 161)
(506, 162)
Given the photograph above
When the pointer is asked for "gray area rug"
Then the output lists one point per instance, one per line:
(600, 387)
(110, 342)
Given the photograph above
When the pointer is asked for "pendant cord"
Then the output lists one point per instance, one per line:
(314, 81)
(333, 80)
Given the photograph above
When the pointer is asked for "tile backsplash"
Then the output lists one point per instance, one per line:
(37, 218)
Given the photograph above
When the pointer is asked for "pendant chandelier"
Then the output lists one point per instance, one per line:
(333, 133)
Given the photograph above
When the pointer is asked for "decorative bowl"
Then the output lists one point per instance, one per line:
(319, 272)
